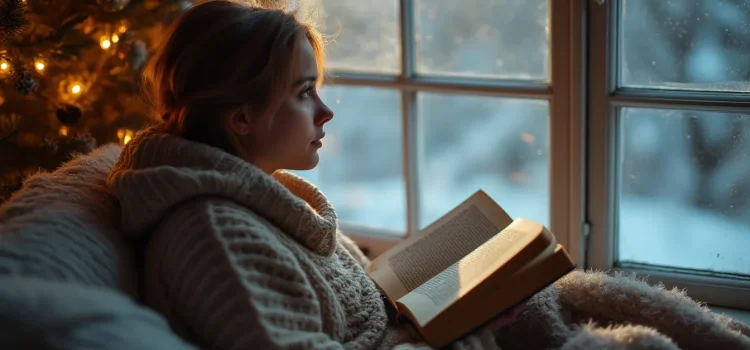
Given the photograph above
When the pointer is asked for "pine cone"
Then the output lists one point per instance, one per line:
(24, 82)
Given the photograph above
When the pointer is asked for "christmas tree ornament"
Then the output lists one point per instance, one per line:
(132, 51)
(68, 115)
(24, 82)
(112, 5)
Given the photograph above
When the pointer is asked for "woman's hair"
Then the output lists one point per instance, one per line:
(219, 56)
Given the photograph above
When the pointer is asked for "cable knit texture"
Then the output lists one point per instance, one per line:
(62, 226)
(240, 259)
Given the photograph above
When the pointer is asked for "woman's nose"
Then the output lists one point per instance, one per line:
(325, 114)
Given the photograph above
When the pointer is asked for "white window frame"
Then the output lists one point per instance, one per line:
(564, 94)
(604, 101)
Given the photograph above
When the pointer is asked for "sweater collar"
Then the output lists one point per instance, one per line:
(156, 172)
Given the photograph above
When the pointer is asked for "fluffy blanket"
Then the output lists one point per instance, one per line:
(595, 310)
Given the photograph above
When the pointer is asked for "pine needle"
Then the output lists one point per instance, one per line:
(12, 19)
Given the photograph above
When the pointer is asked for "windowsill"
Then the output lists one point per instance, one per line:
(739, 315)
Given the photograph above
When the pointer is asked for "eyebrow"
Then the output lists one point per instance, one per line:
(311, 78)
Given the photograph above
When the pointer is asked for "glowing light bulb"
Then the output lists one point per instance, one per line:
(115, 38)
(39, 65)
(4, 66)
(76, 89)
(124, 135)
(105, 43)
(63, 130)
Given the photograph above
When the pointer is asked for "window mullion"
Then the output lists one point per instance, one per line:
(410, 130)
(407, 39)
(408, 115)
(601, 135)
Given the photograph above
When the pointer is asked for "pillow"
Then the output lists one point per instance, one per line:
(63, 225)
(41, 314)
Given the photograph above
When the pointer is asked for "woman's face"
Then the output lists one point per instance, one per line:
(296, 134)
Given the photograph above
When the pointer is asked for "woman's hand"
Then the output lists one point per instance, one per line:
(506, 318)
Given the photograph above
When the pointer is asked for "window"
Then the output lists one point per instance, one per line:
(669, 157)
(436, 99)
(622, 125)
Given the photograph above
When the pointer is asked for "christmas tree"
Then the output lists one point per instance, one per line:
(69, 72)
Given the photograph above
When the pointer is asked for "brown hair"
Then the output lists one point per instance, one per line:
(219, 56)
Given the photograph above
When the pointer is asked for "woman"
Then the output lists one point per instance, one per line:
(239, 253)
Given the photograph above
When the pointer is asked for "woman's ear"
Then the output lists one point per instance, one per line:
(240, 121)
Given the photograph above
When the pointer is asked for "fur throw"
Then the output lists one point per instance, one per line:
(62, 226)
(594, 310)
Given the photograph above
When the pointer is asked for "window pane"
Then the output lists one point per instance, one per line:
(363, 36)
(469, 143)
(486, 38)
(361, 169)
(684, 189)
(693, 45)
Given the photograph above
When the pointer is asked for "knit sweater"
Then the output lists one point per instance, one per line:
(237, 258)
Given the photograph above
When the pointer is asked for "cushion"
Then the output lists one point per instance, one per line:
(41, 314)
(62, 225)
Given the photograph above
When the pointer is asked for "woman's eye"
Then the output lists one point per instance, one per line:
(306, 92)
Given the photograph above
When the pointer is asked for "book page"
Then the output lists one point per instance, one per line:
(431, 298)
(438, 246)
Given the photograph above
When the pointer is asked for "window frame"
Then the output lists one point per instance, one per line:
(564, 94)
(605, 99)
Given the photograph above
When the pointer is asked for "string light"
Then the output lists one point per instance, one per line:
(124, 135)
(63, 130)
(72, 87)
(4, 66)
(105, 42)
(40, 64)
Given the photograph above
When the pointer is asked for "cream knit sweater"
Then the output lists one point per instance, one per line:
(239, 259)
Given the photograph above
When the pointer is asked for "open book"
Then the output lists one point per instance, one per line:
(466, 268)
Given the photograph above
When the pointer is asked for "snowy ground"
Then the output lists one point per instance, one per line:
(672, 234)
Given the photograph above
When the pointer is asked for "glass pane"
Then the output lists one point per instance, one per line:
(691, 45)
(506, 39)
(684, 189)
(363, 36)
(499, 145)
(361, 168)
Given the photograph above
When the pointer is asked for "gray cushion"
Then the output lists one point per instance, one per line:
(40, 314)
(63, 226)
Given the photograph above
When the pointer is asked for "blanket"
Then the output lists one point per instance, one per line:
(598, 310)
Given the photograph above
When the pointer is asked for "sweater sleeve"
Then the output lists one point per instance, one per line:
(224, 283)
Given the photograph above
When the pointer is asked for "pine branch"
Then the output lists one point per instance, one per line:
(12, 19)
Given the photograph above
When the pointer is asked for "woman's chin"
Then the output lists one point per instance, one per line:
(308, 164)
